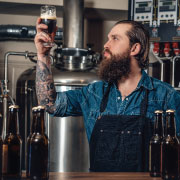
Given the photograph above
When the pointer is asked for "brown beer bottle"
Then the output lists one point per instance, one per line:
(37, 157)
(0, 157)
(12, 146)
(169, 148)
(32, 130)
(155, 146)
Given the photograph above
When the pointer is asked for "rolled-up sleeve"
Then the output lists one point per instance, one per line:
(60, 104)
(69, 103)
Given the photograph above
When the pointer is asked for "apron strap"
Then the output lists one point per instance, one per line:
(144, 103)
(105, 98)
(145, 133)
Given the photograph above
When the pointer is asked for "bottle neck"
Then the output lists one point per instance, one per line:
(170, 125)
(40, 127)
(158, 126)
(33, 123)
(13, 122)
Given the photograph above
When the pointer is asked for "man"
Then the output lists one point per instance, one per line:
(118, 111)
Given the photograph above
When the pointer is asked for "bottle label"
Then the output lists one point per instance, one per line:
(4, 158)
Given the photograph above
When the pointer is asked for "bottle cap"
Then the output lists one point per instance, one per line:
(158, 111)
(14, 107)
(170, 111)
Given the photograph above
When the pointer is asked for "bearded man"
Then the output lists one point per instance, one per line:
(118, 110)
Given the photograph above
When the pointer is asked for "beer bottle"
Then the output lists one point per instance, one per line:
(12, 146)
(169, 148)
(0, 157)
(38, 149)
(32, 130)
(155, 146)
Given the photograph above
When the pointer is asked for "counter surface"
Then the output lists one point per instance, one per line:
(100, 176)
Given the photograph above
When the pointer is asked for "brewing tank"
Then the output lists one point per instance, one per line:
(74, 67)
(69, 149)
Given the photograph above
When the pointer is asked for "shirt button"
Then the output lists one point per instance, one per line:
(126, 99)
(119, 98)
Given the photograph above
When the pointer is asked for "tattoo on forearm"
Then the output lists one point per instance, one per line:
(45, 88)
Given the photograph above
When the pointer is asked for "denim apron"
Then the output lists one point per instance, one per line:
(120, 143)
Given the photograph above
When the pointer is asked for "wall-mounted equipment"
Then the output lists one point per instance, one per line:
(162, 19)
(143, 11)
(167, 11)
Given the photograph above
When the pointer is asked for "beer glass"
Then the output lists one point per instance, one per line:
(48, 17)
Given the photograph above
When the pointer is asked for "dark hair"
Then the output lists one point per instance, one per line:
(138, 34)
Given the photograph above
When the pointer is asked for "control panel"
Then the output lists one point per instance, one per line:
(167, 11)
(143, 11)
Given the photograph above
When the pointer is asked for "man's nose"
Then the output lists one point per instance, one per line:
(107, 45)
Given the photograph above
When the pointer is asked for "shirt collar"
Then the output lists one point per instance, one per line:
(145, 81)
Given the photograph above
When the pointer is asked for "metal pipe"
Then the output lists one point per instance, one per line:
(5, 99)
(6, 65)
(161, 62)
(162, 71)
(73, 23)
(173, 70)
(6, 91)
(22, 33)
(4, 125)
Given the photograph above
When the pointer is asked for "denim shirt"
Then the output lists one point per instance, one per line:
(86, 101)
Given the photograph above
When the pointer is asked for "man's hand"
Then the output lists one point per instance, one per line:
(42, 37)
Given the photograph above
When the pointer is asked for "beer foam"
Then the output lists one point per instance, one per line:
(47, 16)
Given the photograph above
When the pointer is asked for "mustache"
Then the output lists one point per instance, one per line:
(107, 51)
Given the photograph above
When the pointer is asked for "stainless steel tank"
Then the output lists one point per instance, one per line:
(69, 149)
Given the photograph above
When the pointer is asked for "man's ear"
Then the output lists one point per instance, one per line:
(135, 49)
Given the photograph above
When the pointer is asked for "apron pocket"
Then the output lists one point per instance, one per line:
(109, 148)
(132, 146)
(132, 150)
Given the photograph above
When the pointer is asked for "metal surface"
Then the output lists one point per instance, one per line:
(73, 23)
(69, 148)
(76, 59)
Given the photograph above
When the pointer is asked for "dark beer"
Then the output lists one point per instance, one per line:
(169, 149)
(50, 22)
(12, 145)
(155, 146)
(48, 17)
(37, 157)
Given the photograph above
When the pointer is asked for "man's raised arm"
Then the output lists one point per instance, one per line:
(45, 88)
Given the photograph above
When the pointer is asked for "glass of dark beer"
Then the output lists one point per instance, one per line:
(48, 17)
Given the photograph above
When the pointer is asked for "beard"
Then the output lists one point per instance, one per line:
(116, 67)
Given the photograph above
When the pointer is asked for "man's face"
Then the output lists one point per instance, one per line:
(116, 55)
(118, 41)
(115, 67)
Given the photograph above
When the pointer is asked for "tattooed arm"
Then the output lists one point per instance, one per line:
(45, 88)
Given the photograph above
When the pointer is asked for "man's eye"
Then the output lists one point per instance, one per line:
(115, 38)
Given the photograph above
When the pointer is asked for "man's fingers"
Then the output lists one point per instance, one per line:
(40, 27)
(43, 35)
(38, 21)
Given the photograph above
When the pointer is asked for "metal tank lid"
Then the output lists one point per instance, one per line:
(76, 78)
